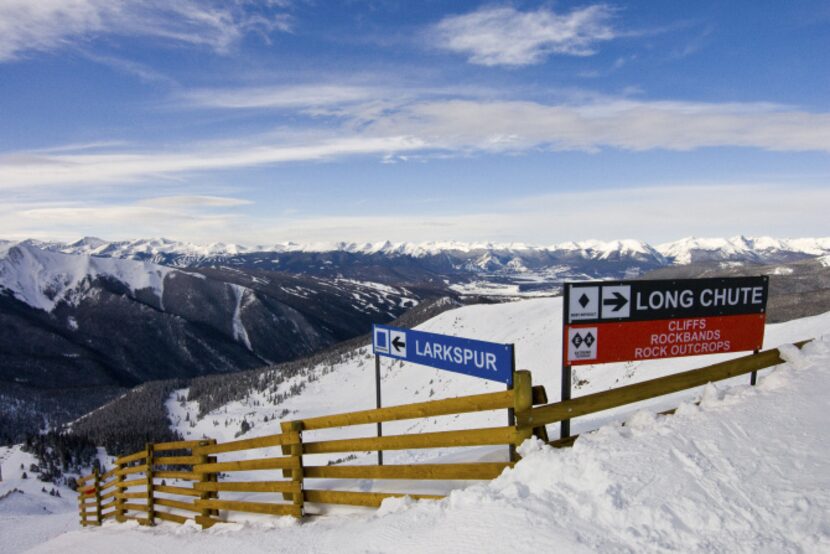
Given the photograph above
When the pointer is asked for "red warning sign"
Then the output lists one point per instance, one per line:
(599, 343)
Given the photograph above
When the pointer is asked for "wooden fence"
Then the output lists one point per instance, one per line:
(136, 488)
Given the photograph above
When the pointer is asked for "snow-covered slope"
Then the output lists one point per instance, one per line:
(42, 278)
(29, 516)
(748, 470)
(534, 326)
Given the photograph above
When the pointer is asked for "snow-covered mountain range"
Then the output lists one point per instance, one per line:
(76, 329)
(490, 269)
(683, 251)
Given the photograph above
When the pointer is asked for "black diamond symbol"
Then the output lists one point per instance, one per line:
(584, 300)
(577, 340)
(589, 339)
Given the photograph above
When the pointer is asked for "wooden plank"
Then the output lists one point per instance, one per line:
(110, 494)
(151, 501)
(540, 396)
(107, 485)
(131, 457)
(128, 495)
(369, 499)
(251, 507)
(83, 479)
(464, 404)
(97, 485)
(270, 486)
(249, 444)
(140, 520)
(204, 517)
(110, 515)
(206, 521)
(132, 483)
(136, 507)
(183, 491)
(484, 470)
(173, 518)
(109, 474)
(183, 475)
(441, 439)
(649, 389)
(176, 460)
(177, 445)
(523, 402)
(132, 470)
(286, 462)
(186, 506)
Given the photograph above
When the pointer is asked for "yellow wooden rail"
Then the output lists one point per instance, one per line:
(484, 470)
(464, 404)
(652, 388)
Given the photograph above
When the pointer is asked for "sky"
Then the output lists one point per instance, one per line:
(259, 122)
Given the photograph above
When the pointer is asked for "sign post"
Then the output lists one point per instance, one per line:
(378, 404)
(622, 321)
(565, 425)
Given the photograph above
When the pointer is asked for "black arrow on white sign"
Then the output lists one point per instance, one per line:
(619, 301)
(399, 344)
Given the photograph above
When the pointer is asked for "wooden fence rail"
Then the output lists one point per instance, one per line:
(137, 487)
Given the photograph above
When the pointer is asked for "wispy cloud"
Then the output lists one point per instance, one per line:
(194, 201)
(442, 127)
(46, 25)
(25, 170)
(280, 96)
(506, 36)
(501, 126)
(654, 214)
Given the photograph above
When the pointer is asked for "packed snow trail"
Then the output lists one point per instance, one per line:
(748, 470)
(28, 516)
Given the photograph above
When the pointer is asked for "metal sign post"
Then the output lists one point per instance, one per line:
(565, 394)
(511, 413)
(378, 404)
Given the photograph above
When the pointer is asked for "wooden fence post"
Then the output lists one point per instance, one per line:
(296, 452)
(82, 503)
(119, 494)
(97, 484)
(522, 403)
(204, 518)
(151, 502)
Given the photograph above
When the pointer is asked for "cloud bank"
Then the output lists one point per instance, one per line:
(434, 127)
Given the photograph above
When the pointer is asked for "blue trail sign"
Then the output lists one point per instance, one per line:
(487, 360)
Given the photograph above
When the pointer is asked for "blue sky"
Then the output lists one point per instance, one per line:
(539, 122)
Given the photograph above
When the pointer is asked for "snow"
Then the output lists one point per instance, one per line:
(746, 470)
(683, 251)
(679, 251)
(42, 278)
(30, 517)
(239, 332)
(534, 326)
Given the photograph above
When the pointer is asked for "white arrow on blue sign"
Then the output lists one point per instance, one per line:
(487, 360)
